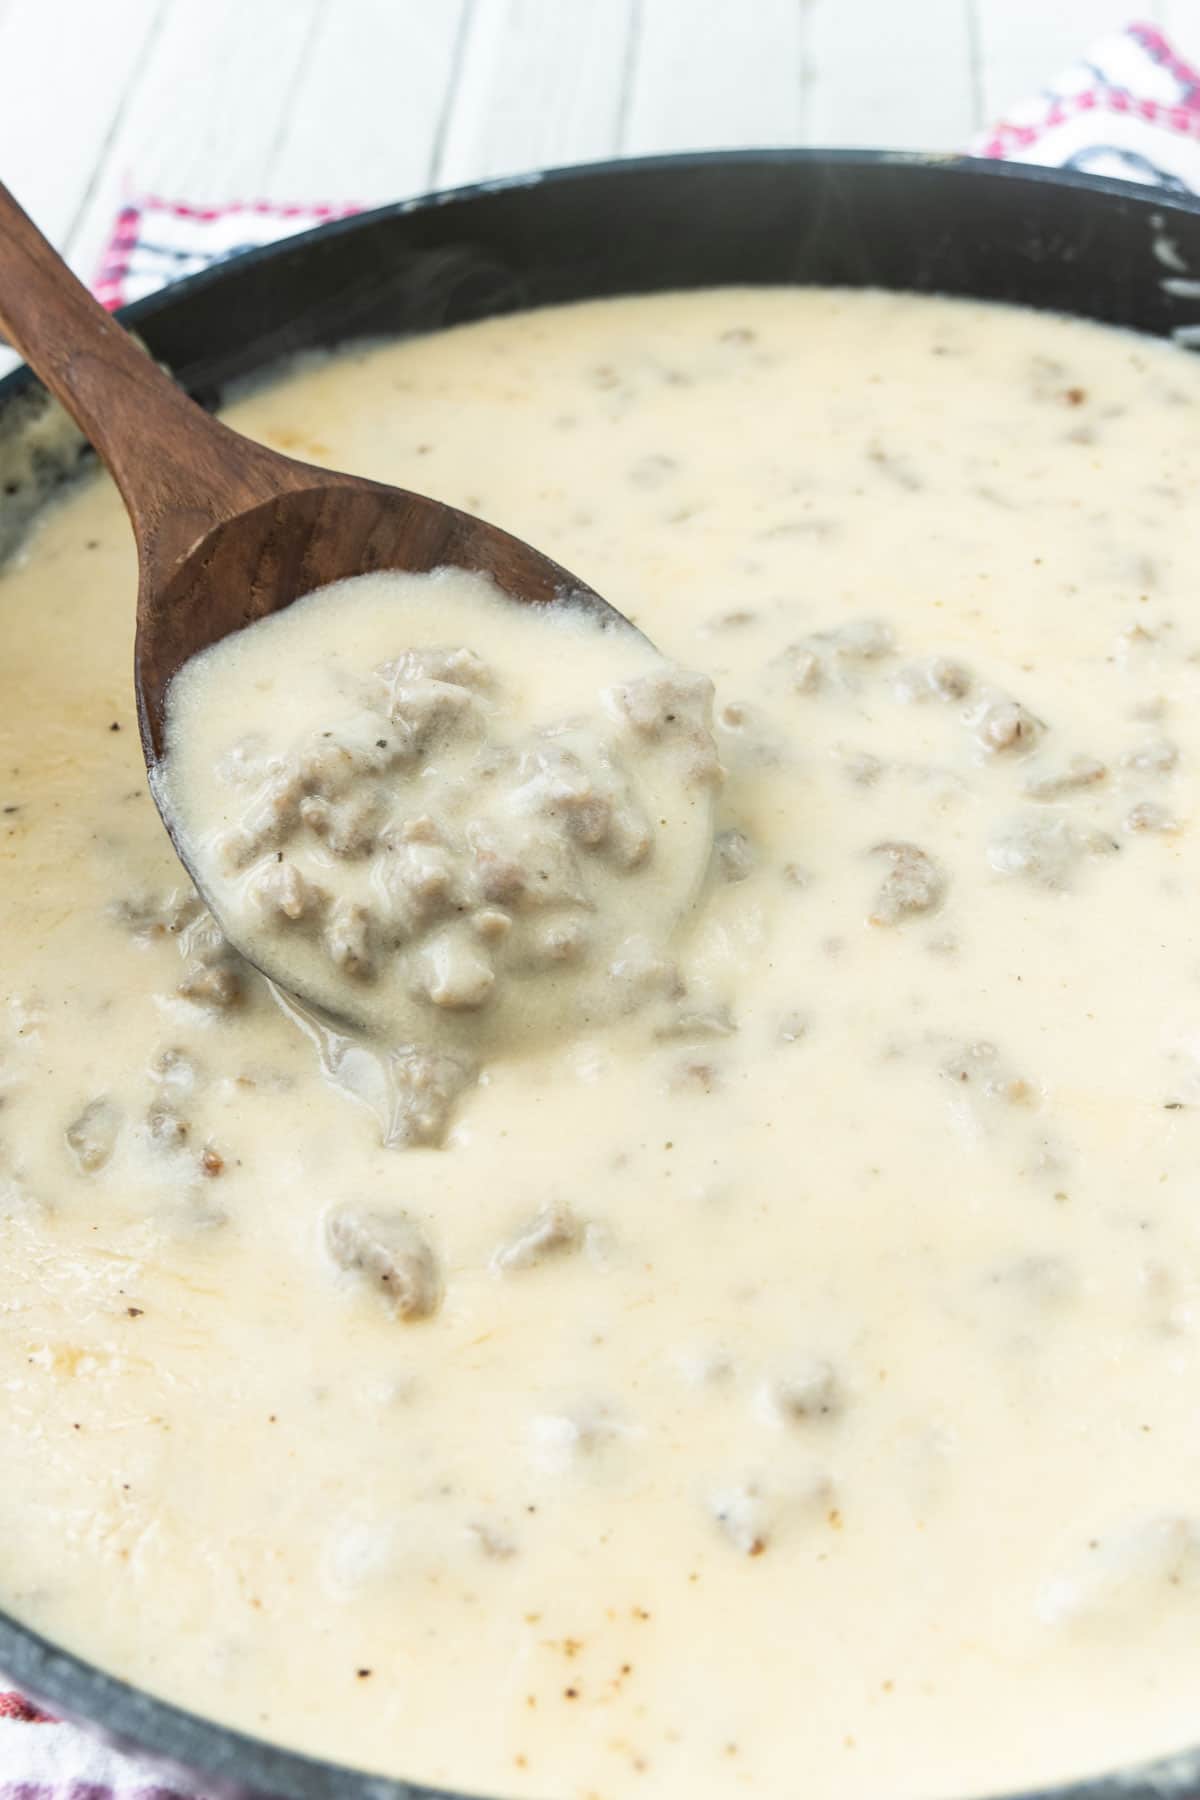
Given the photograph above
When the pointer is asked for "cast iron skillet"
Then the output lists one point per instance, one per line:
(1102, 249)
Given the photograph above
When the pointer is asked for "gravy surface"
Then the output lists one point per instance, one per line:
(802, 1391)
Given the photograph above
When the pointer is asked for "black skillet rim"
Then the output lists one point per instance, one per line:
(199, 1753)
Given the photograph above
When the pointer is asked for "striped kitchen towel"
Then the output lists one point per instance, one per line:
(41, 1759)
(1129, 108)
(156, 241)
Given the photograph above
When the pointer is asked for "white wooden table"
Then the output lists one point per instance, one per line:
(370, 100)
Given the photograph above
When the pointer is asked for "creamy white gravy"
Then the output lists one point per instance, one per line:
(455, 819)
(803, 1397)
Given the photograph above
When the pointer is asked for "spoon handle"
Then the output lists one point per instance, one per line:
(179, 471)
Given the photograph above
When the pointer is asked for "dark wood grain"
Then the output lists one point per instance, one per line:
(227, 530)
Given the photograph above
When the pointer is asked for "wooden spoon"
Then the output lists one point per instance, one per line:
(227, 531)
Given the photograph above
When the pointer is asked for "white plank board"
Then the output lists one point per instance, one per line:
(541, 83)
(900, 76)
(69, 69)
(208, 112)
(364, 117)
(710, 73)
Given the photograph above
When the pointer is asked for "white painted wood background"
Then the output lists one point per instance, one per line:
(370, 100)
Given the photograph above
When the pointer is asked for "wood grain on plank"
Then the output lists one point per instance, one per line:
(711, 73)
(904, 77)
(363, 116)
(541, 83)
(69, 70)
(208, 111)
